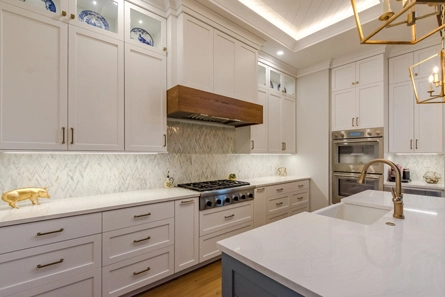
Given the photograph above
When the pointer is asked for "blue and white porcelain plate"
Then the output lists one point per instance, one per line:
(94, 19)
(49, 5)
(141, 35)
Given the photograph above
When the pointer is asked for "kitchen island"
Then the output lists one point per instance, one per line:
(315, 255)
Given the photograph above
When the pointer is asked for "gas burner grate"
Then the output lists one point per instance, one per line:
(213, 185)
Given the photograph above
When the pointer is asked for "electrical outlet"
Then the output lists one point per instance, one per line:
(427, 164)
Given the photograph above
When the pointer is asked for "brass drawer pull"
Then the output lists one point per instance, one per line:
(417, 142)
(165, 140)
(260, 189)
(228, 217)
(279, 203)
(142, 215)
(143, 239)
(300, 186)
(46, 265)
(299, 198)
(188, 201)
(280, 189)
(136, 273)
(51, 232)
(72, 135)
(253, 144)
(63, 135)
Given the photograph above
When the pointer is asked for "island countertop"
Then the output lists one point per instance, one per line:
(316, 255)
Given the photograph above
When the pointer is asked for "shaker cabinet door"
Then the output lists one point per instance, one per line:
(369, 106)
(96, 95)
(33, 75)
(401, 117)
(343, 110)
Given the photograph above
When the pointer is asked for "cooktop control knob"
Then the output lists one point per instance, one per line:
(250, 195)
(243, 196)
(235, 198)
(209, 203)
(219, 202)
(227, 200)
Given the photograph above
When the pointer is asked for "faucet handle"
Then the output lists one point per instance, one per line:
(394, 195)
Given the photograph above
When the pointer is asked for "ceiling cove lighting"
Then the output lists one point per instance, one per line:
(277, 13)
(411, 13)
(432, 91)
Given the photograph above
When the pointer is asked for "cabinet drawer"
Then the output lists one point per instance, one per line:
(41, 265)
(297, 199)
(300, 185)
(218, 219)
(29, 235)
(207, 244)
(129, 275)
(299, 210)
(125, 243)
(280, 189)
(132, 216)
(277, 204)
(276, 217)
(86, 284)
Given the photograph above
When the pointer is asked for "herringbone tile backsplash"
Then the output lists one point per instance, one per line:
(196, 153)
(419, 164)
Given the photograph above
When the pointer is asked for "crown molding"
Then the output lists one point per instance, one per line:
(277, 64)
(362, 54)
(326, 65)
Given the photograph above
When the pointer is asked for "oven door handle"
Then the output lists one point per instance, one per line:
(355, 175)
(364, 140)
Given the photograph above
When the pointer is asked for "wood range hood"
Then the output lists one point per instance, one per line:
(192, 104)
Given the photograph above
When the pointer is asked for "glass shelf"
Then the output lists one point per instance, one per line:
(103, 14)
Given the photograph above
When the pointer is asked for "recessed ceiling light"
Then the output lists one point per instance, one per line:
(140, 21)
(279, 53)
(94, 2)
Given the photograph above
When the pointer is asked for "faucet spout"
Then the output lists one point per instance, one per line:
(397, 196)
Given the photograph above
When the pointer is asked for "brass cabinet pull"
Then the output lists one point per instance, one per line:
(145, 270)
(164, 49)
(356, 82)
(143, 239)
(280, 189)
(142, 215)
(353, 122)
(356, 121)
(353, 83)
(63, 135)
(228, 217)
(417, 142)
(260, 189)
(72, 135)
(411, 144)
(282, 146)
(300, 186)
(49, 264)
(415, 74)
(299, 198)
(253, 144)
(165, 140)
(187, 201)
(73, 16)
(279, 203)
(63, 13)
(51, 232)
(285, 146)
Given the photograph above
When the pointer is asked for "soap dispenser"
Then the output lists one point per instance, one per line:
(169, 181)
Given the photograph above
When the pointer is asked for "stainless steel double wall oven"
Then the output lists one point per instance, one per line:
(351, 150)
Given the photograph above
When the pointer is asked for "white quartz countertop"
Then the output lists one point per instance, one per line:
(418, 184)
(316, 255)
(271, 180)
(62, 207)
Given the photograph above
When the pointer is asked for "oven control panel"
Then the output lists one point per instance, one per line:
(358, 133)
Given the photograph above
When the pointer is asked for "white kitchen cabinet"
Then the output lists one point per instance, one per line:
(275, 127)
(259, 207)
(357, 97)
(186, 233)
(281, 122)
(145, 100)
(34, 80)
(96, 98)
(413, 127)
(288, 124)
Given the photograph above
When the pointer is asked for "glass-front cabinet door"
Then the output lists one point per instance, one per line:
(145, 29)
(275, 80)
(262, 77)
(101, 16)
(288, 83)
(56, 9)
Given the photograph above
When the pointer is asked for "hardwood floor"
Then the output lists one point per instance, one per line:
(203, 282)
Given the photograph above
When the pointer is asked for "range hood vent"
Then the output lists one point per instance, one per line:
(187, 103)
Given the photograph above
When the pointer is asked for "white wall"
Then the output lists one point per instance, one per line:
(313, 134)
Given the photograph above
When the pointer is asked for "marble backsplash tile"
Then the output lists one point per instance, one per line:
(419, 164)
(196, 153)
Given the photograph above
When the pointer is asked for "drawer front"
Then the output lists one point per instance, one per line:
(276, 217)
(207, 244)
(29, 235)
(86, 284)
(218, 219)
(277, 204)
(125, 243)
(129, 275)
(132, 216)
(297, 199)
(300, 185)
(280, 189)
(299, 210)
(41, 265)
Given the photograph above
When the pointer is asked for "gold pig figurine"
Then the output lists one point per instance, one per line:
(33, 194)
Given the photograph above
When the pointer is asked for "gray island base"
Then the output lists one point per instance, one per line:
(240, 280)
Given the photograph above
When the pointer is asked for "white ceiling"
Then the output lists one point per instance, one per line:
(312, 31)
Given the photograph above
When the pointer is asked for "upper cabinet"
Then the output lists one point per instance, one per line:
(358, 94)
(212, 61)
(66, 91)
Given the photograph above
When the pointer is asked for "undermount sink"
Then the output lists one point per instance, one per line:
(353, 213)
